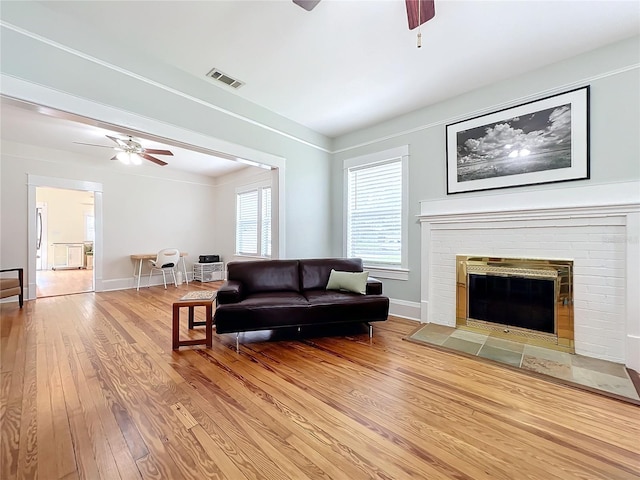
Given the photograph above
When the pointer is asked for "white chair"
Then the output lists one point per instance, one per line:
(167, 259)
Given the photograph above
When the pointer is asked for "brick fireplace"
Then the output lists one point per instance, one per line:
(597, 227)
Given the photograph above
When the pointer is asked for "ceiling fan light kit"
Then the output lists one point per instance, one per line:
(129, 158)
(131, 152)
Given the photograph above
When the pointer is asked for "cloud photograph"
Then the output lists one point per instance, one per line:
(528, 143)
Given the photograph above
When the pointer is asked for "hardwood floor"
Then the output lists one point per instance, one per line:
(90, 388)
(50, 283)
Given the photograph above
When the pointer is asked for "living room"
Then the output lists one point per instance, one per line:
(148, 209)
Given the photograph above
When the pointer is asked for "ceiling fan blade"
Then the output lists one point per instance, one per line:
(427, 12)
(157, 152)
(121, 143)
(308, 5)
(153, 159)
(93, 145)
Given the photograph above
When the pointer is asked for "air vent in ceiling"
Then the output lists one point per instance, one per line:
(224, 78)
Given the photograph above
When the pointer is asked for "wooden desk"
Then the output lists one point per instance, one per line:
(141, 257)
(208, 322)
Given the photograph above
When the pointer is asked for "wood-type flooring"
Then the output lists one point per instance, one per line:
(90, 388)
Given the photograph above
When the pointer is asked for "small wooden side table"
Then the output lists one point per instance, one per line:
(208, 322)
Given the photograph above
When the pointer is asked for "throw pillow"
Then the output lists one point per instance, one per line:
(355, 282)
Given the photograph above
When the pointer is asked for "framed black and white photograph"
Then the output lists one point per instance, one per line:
(543, 141)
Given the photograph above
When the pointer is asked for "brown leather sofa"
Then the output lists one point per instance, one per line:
(265, 295)
(13, 285)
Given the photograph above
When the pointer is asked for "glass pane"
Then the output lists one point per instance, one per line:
(374, 218)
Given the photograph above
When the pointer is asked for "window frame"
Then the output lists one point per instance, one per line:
(395, 272)
(259, 188)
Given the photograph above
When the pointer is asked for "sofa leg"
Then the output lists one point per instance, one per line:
(299, 329)
(370, 330)
(238, 342)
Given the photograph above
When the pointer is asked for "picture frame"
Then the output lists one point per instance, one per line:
(542, 141)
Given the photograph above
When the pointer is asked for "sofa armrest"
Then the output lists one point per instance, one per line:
(231, 291)
(374, 286)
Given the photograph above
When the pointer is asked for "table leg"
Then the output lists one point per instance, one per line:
(176, 326)
(139, 274)
(184, 267)
(191, 318)
(208, 322)
(209, 325)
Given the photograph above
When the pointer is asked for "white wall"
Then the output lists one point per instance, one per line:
(42, 49)
(144, 208)
(614, 75)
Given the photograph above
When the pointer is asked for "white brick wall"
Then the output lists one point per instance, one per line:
(596, 246)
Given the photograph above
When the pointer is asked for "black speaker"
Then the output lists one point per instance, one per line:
(209, 258)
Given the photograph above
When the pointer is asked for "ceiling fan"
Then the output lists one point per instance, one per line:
(131, 151)
(418, 11)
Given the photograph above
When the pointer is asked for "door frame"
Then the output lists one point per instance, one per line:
(35, 181)
(44, 250)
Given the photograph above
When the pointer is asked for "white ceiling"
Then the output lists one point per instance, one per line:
(353, 63)
(345, 65)
(23, 124)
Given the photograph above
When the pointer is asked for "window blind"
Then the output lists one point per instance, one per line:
(265, 249)
(247, 223)
(374, 213)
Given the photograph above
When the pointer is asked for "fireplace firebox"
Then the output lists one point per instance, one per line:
(529, 300)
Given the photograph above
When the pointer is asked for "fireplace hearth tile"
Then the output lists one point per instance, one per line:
(500, 355)
(602, 366)
(603, 381)
(469, 336)
(462, 345)
(548, 354)
(431, 337)
(607, 377)
(549, 367)
(505, 344)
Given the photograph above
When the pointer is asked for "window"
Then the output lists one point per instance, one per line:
(376, 211)
(253, 222)
(89, 228)
(266, 222)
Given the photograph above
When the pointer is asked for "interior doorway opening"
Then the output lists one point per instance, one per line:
(65, 232)
(65, 241)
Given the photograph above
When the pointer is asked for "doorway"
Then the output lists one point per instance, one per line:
(65, 241)
(65, 219)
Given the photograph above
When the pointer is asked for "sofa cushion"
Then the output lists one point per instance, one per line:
(329, 306)
(265, 276)
(355, 282)
(234, 318)
(273, 298)
(9, 283)
(314, 273)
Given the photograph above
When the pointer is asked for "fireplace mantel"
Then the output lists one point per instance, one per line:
(597, 226)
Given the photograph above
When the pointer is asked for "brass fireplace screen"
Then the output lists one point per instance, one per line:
(527, 300)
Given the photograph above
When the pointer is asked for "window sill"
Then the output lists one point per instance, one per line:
(392, 273)
(250, 257)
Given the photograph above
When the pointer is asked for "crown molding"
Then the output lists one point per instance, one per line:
(156, 84)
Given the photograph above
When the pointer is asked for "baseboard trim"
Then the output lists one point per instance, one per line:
(635, 378)
(404, 309)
